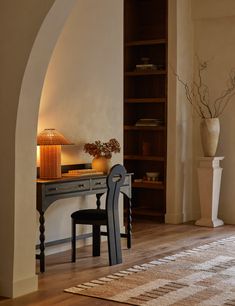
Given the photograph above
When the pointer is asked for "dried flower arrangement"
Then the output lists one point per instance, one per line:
(98, 148)
(198, 96)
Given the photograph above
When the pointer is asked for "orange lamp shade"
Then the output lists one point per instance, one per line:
(50, 142)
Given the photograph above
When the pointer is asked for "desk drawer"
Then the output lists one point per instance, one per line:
(101, 182)
(98, 183)
(68, 187)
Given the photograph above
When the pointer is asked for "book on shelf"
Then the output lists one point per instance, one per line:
(148, 181)
(141, 67)
(149, 122)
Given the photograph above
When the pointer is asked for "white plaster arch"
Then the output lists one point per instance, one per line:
(25, 144)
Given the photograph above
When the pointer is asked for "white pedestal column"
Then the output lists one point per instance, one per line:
(209, 178)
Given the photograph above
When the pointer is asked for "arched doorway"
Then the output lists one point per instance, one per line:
(17, 270)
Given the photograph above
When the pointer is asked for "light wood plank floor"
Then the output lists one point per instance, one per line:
(150, 241)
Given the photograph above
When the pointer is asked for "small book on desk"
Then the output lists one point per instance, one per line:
(82, 172)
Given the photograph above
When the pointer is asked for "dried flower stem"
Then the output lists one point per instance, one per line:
(197, 93)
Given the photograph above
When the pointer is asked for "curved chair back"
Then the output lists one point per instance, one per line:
(115, 180)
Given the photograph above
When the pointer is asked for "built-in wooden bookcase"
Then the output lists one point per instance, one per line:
(145, 97)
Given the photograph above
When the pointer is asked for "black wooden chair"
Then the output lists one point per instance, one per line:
(108, 216)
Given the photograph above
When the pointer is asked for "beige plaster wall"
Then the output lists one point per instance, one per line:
(15, 36)
(180, 127)
(82, 95)
(185, 118)
(214, 41)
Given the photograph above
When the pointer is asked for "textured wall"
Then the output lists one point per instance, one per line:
(214, 41)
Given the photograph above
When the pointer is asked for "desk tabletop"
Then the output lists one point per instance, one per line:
(69, 178)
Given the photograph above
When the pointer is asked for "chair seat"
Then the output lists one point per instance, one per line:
(89, 216)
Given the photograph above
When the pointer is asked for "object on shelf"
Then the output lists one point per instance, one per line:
(152, 182)
(145, 60)
(140, 67)
(146, 148)
(145, 65)
(149, 122)
(138, 180)
(152, 176)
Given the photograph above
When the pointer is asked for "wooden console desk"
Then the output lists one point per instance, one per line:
(48, 191)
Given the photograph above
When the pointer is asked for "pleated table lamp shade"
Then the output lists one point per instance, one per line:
(50, 142)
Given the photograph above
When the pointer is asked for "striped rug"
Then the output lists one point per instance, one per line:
(204, 275)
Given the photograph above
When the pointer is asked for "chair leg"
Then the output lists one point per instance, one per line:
(111, 244)
(73, 241)
(129, 225)
(117, 237)
(128, 239)
(114, 239)
(96, 240)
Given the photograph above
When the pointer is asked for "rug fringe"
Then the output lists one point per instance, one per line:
(146, 266)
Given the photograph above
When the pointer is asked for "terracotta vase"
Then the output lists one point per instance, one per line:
(210, 129)
(101, 164)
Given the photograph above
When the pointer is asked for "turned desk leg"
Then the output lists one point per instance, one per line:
(42, 241)
(98, 203)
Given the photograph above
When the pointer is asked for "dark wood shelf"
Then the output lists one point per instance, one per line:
(143, 128)
(146, 42)
(141, 157)
(145, 73)
(145, 100)
(148, 185)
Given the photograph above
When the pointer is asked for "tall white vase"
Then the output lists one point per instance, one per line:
(209, 178)
(210, 130)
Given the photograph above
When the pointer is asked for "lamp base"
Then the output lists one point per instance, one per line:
(50, 161)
